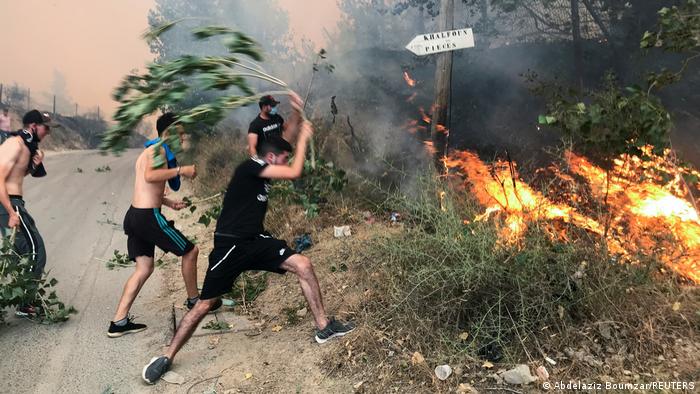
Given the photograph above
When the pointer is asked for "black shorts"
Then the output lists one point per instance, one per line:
(148, 228)
(231, 257)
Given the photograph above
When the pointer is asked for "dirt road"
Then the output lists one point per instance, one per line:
(79, 215)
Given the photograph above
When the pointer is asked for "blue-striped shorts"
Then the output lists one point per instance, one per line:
(147, 228)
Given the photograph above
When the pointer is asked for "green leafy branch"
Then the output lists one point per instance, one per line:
(217, 325)
(121, 260)
(314, 188)
(609, 121)
(678, 31)
(19, 286)
(169, 83)
(211, 214)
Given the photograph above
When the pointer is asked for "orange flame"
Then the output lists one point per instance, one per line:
(499, 189)
(648, 210)
(640, 218)
(650, 216)
(424, 116)
(409, 81)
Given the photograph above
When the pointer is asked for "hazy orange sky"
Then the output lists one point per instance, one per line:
(94, 43)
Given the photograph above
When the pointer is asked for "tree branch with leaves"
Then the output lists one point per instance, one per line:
(167, 84)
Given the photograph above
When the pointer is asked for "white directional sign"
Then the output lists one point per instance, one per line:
(428, 44)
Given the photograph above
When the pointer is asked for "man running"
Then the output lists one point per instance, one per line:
(146, 227)
(241, 244)
(20, 156)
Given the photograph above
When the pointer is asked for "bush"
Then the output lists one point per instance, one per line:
(19, 286)
(314, 188)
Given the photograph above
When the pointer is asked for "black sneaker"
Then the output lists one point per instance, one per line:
(156, 368)
(130, 327)
(334, 329)
(214, 308)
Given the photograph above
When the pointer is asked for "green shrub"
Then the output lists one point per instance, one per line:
(19, 286)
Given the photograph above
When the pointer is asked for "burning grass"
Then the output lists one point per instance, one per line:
(455, 292)
(639, 213)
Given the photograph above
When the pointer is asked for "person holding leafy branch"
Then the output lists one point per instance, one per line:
(146, 227)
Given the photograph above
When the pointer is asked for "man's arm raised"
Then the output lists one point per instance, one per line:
(292, 127)
(9, 154)
(293, 171)
(153, 175)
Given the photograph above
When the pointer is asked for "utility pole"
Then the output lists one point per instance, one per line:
(98, 112)
(76, 110)
(54, 104)
(576, 36)
(443, 79)
(1, 86)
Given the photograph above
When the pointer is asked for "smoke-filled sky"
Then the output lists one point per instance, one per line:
(93, 44)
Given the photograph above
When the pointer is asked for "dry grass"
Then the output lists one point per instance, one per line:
(216, 157)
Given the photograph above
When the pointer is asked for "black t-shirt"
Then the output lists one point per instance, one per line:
(266, 128)
(245, 202)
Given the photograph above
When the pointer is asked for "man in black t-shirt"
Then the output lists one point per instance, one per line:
(241, 244)
(269, 123)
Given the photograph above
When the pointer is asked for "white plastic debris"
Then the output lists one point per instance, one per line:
(341, 231)
(518, 375)
(443, 371)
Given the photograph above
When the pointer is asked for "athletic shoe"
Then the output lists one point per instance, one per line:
(130, 327)
(213, 309)
(26, 311)
(334, 329)
(156, 368)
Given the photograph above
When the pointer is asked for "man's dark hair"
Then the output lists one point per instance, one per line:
(276, 145)
(164, 121)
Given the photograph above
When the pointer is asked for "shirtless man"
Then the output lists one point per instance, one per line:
(146, 228)
(18, 156)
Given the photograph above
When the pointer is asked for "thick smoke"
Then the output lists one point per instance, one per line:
(492, 109)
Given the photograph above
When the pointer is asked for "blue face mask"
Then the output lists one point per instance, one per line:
(273, 111)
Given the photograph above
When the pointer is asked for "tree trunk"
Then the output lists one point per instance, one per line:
(443, 72)
(576, 35)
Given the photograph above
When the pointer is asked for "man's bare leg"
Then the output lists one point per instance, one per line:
(188, 324)
(300, 265)
(189, 272)
(143, 270)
